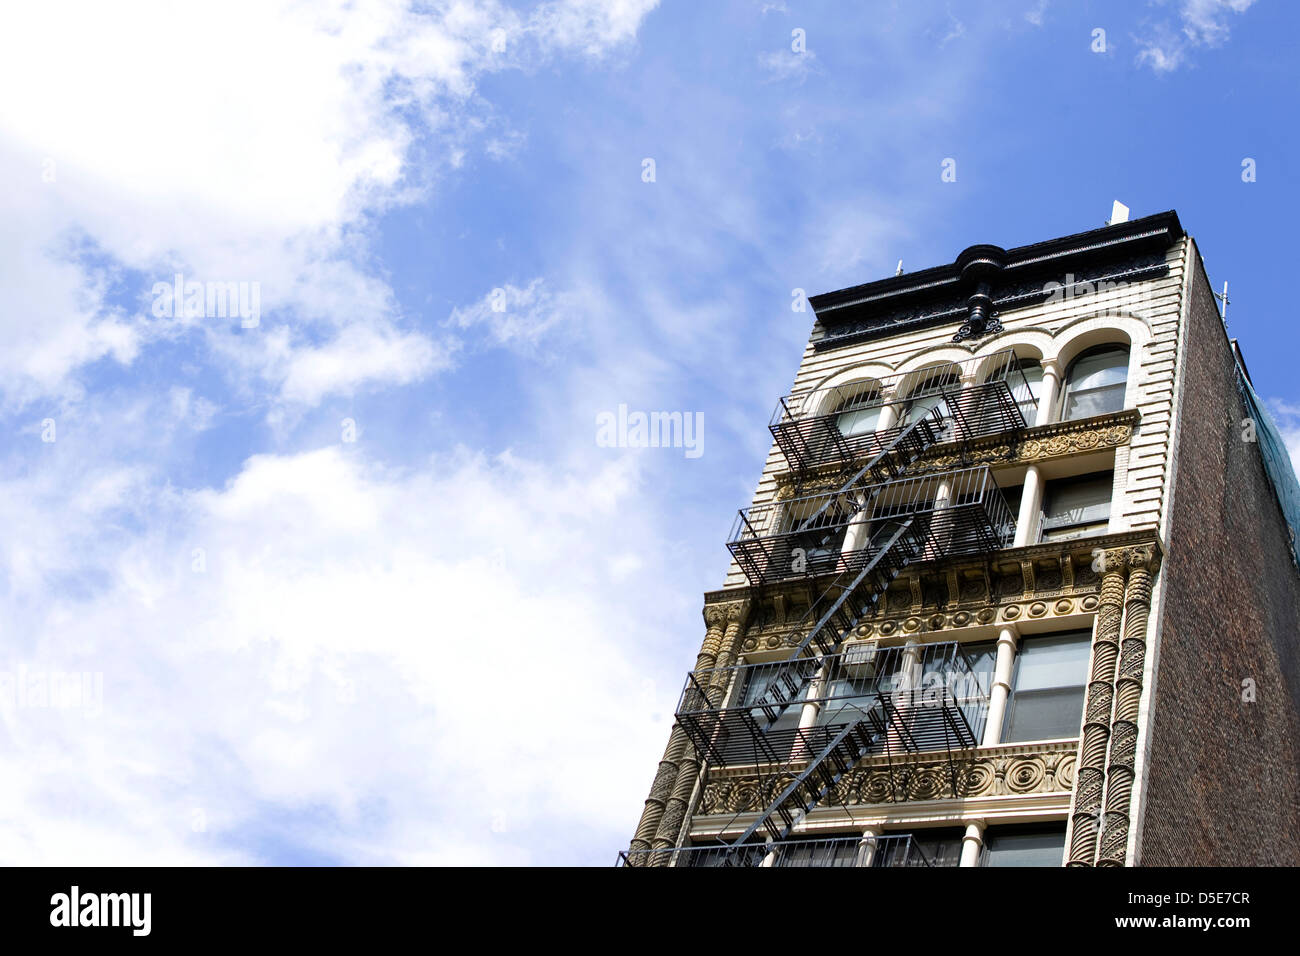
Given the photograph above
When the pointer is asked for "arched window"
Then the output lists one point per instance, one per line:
(1095, 382)
(931, 392)
(859, 413)
(1026, 383)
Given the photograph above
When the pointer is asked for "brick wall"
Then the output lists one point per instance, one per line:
(1224, 775)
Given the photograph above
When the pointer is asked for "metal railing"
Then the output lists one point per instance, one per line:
(840, 424)
(954, 513)
(916, 697)
(890, 850)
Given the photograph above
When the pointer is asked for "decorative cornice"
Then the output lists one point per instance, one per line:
(985, 280)
(1073, 559)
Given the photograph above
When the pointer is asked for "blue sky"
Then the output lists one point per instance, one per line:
(458, 638)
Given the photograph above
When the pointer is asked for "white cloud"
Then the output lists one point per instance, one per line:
(1203, 23)
(245, 140)
(788, 65)
(591, 26)
(409, 666)
(517, 316)
(358, 356)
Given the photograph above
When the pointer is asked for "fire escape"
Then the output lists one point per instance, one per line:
(808, 719)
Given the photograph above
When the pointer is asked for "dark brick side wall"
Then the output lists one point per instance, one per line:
(1224, 777)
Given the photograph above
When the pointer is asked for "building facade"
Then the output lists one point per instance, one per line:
(1015, 587)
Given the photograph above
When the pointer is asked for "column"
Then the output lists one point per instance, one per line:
(1048, 393)
(1000, 692)
(1084, 820)
(888, 412)
(1113, 844)
(673, 815)
(972, 843)
(867, 846)
(665, 779)
(1031, 507)
(666, 776)
(812, 706)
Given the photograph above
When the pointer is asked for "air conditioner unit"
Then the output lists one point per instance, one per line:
(859, 660)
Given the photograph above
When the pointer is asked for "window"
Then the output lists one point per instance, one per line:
(972, 692)
(859, 414)
(816, 529)
(1012, 496)
(1095, 382)
(940, 847)
(1026, 382)
(1074, 507)
(1034, 845)
(757, 682)
(1047, 688)
(827, 853)
(929, 394)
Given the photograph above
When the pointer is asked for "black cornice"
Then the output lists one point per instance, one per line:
(984, 280)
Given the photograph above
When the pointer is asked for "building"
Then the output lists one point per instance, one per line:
(1017, 585)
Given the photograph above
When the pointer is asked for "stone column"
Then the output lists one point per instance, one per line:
(971, 843)
(812, 705)
(673, 816)
(660, 790)
(715, 616)
(1031, 506)
(888, 412)
(1091, 775)
(1113, 843)
(666, 776)
(1049, 391)
(867, 846)
(1000, 692)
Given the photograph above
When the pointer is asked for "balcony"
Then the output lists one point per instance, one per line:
(893, 850)
(906, 699)
(946, 514)
(847, 423)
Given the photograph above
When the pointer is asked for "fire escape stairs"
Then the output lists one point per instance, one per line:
(853, 594)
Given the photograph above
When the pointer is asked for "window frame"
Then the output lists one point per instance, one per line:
(1068, 391)
(1088, 525)
(1082, 636)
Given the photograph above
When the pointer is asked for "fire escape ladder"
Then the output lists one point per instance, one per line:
(838, 621)
(806, 790)
(889, 463)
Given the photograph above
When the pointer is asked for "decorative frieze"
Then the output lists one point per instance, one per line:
(1013, 770)
(1041, 582)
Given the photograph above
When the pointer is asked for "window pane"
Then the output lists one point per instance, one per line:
(1077, 501)
(1026, 387)
(823, 853)
(1046, 714)
(1060, 660)
(940, 847)
(1024, 846)
(1095, 383)
(1094, 401)
(918, 408)
(1102, 368)
(861, 422)
(1047, 689)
